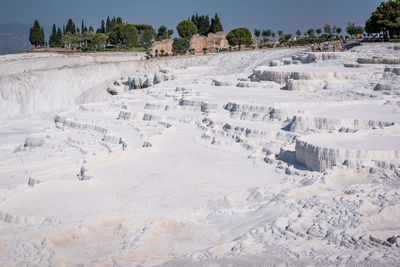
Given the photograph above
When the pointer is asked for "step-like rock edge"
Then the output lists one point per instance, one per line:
(318, 158)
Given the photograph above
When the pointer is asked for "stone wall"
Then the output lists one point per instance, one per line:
(197, 42)
(165, 45)
(211, 42)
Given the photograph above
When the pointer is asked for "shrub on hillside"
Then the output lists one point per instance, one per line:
(239, 36)
(186, 29)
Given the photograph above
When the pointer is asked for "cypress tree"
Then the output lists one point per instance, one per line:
(102, 29)
(59, 38)
(53, 37)
(108, 25)
(206, 24)
(83, 27)
(195, 20)
(216, 25)
(70, 27)
(77, 30)
(35, 34)
(202, 23)
(119, 20)
(91, 29)
(63, 32)
(42, 41)
(113, 22)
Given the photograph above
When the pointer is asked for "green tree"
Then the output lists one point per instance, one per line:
(100, 39)
(359, 30)
(77, 39)
(216, 25)
(180, 46)
(266, 34)
(53, 37)
(318, 31)
(36, 35)
(354, 30)
(205, 25)
(338, 31)
(186, 29)
(59, 38)
(42, 37)
(70, 27)
(239, 36)
(327, 29)
(67, 39)
(108, 25)
(310, 33)
(142, 27)
(91, 29)
(87, 37)
(257, 33)
(129, 35)
(146, 37)
(285, 38)
(298, 34)
(83, 27)
(115, 35)
(280, 33)
(102, 27)
(170, 33)
(386, 17)
(119, 20)
(162, 33)
(202, 24)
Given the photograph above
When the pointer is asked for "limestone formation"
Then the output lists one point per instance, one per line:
(32, 141)
(148, 80)
(378, 60)
(352, 149)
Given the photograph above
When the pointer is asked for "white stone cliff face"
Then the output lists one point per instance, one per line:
(282, 76)
(321, 157)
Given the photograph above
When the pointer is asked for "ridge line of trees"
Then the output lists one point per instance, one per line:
(113, 32)
(205, 26)
(384, 21)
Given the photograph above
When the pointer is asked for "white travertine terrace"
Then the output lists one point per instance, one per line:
(279, 156)
(322, 151)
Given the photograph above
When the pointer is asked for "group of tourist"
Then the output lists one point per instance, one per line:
(327, 46)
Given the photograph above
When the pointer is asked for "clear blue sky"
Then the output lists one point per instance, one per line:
(286, 15)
